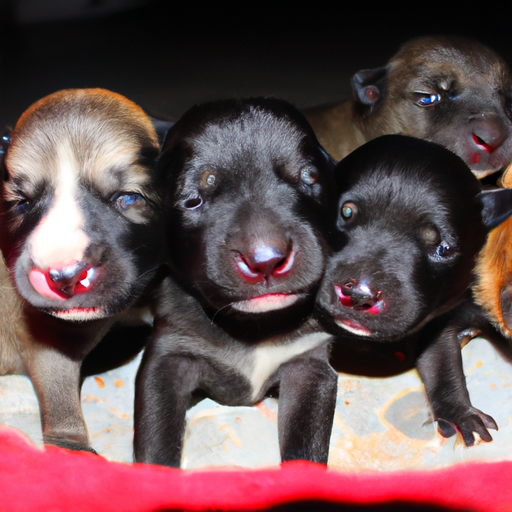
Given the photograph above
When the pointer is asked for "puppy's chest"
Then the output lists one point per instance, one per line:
(233, 371)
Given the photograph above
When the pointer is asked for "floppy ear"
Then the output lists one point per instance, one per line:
(496, 206)
(161, 127)
(369, 85)
(506, 305)
(5, 138)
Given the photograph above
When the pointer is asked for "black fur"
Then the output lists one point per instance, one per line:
(410, 222)
(247, 191)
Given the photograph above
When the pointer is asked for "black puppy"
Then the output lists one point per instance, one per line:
(410, 221)
(248, 188)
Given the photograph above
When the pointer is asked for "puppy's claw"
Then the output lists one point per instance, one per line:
(473, 427)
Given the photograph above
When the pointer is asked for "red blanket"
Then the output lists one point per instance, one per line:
(54, 479)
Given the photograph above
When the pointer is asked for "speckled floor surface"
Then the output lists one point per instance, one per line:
(380, 424)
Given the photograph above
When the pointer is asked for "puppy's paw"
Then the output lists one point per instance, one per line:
(473, 426)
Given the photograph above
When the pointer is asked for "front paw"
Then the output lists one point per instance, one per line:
(69, 445)
(472, 425)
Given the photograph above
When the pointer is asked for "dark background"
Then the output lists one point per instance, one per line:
(169, 54)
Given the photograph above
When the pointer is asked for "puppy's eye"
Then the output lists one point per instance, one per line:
(127, 201)
(430, 234)
(308, 175)
(427, 100)
(193, 202)
(22, 207)
(348, 211)
(208, 179)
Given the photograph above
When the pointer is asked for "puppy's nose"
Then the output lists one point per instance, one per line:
(72, 279)
(488, 133)
(263, 260)
(360, 296)
(360, 293)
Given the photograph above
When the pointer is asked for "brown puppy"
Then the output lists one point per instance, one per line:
(493, 290)
(81, 238)
(453, 91)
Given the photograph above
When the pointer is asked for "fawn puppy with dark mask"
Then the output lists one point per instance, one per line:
(450, 90)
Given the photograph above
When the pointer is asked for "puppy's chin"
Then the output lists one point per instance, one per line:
(268, 302)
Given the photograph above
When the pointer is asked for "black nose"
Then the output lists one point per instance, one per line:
(65, 279)
(360, 293)
(488, 133)
(262, 260)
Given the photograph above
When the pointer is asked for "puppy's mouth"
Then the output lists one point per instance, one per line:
(352, 326)
(78, 314)
(267, 302)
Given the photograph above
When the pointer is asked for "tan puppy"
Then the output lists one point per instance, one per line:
(453, 91)
(81, 238)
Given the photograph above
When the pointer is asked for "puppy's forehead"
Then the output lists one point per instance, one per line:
(455, 58)
(94, 134)
(258, 135)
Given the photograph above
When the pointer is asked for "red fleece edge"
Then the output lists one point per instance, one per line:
(60, 480)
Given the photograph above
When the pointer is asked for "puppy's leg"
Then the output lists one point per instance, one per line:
(307, 400)
(56, 380)
(440, 368)
(163, 391)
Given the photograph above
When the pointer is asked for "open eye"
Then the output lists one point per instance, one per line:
(127, 201)
(308, 175)
(193, 202)
(208, 179)
(427, 100)
(22, 207)
(348, 211)
(430, 234)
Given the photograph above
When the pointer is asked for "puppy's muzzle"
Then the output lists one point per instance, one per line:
(360, 297)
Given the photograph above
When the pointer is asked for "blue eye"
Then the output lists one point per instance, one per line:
(126, 201)
(22, 207)
(428, 99)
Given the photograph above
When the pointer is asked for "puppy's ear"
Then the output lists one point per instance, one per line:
(369, 85)
(496, 206)
(5, 138)
(161, 127)
(506, 304)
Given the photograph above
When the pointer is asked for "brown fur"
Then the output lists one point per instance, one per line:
(494, 269)
(106, 146)
(429, 64)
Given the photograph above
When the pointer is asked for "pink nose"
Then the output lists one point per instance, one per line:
(63, 283)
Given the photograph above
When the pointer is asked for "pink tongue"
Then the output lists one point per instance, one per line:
(39, 281)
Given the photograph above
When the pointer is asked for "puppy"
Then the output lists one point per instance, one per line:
(493, 289)
(81, 236)
(248, 188)
(449, 90)
(410, 222)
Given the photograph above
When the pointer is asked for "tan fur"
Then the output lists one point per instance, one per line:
(494, 267)
(112, 125)
(93, 137)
